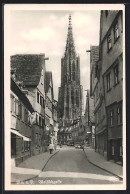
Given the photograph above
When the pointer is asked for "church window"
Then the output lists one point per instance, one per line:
(77, 98)
(67, 100)
(73, 71)
(72, 96)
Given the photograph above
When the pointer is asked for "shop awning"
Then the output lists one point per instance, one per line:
(20, 135)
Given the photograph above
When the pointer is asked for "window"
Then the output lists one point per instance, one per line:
(108, 81)
(26, 116)
(73, 73)
(23, 110)
(41, 100)
(72, 96)
(111, 117)
(25, 146)
(37, 119)
(113, 148)
(77, 98)
(43, 121)
(109, 44)
(116, 32)
(119, 115)
(16, 107)
(19, 110)
(43, 105)
(12, 104)
(38, 97)
(40, 121)
(116, 73)
(67, 97)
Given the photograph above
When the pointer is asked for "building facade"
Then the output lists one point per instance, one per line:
(89, 121)
(111, 45)
(97, 91)
(30, 69)
(21, 121)
(49, 121)
(106, 85)
(70, 98)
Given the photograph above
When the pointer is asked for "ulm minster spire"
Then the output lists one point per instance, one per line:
(70, 93)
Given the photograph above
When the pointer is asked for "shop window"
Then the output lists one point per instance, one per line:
(113, 149)
(116, 32)
(108, 81)
(25, 146)
(109, 42)
(116, 73)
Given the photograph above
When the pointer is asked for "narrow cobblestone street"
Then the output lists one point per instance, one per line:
(70, 166)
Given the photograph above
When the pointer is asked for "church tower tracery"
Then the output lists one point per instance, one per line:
(70, 98)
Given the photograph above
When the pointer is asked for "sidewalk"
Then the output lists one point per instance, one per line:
(98, 160)
(30, 167)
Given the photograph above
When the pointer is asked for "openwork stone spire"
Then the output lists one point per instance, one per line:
(70, 48)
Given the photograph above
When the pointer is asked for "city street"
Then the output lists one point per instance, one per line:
(70, 166)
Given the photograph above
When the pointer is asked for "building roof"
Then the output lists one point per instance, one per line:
(17, 90)
(28, 68)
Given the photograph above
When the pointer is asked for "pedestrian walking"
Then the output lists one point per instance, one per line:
(51, 148)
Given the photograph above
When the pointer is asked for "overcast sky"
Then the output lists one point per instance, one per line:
(46, 32)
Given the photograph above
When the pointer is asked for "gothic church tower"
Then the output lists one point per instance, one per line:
(70, 99)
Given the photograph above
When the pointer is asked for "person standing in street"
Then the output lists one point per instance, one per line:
(51, 148)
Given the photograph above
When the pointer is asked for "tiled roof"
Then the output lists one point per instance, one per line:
(28, 68)
(17, 90)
